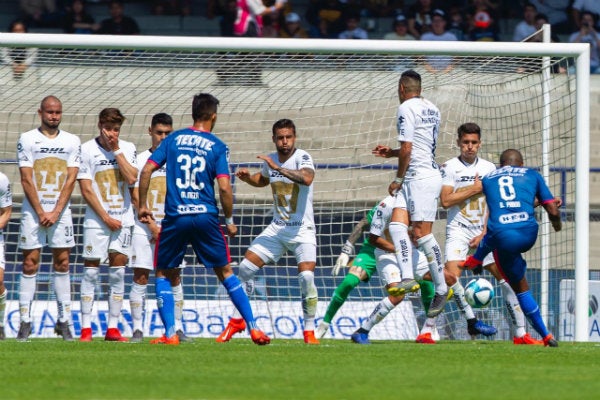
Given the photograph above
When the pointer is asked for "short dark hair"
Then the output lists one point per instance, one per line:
(511, 157)
(204, 106)
(468, 127)
(16, 22)
(282, 124)
(111, 116)
(162, 118)
(411, 80)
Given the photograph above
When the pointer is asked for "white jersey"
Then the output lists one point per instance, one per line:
(100, 166)
(382, 217)
(157, 191)
(471, 212)
(419, 123)
(5, 192)
(293, 203)
(49, 158)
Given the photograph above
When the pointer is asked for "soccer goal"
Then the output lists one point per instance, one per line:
(342, 95)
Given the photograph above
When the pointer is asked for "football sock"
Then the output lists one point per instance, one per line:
(62, 289)
(166, 305)
(427, 293)
(515, 313)
(137, 299)
(247, 270)
(178, 298)
(399, 233)
(340, 295)
(27, 285)
(116, 279)
(239, 298)
(428, 245)
(309, 298)
(380, 311)
(428, 325)
(3, 306)
(461, 302)
(88, 286)
(532, 312)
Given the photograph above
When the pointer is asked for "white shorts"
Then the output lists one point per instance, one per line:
(98, 242)
(457, 244)
(58, 236)
(271, 244)
(387, 265)
(2, 257)
(420, 198)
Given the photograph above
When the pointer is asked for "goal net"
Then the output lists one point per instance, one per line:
(342, 96)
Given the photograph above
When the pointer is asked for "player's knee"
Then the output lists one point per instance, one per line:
(90, 275)
(247, 270)
(116, 275)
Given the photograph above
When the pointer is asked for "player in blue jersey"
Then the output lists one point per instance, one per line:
(194, 158)
(511, 192)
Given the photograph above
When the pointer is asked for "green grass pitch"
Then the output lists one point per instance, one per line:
(289, 369)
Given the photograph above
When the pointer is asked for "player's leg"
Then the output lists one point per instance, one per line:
(3, 294)
(142, 262)
(305, 251)
(428, 333)
(177, 289)
(119, 249)
(390, 277)
(398, 229)
(62, 289)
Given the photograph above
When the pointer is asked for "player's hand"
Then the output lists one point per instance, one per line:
(269, 161)
(145, 215)
(344, 258)
(382, 151)
(113, 224)
(243, 174)
(111, 140)
(394, 188)
(558, 202)
(231, 230)
(477, 183)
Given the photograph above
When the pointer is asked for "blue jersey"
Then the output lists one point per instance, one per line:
(194, 159)
(510, 193)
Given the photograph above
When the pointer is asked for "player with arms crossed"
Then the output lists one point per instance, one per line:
(194, 158)
(290, 172)
(48, 163)
(5, 211)
(417, 187)
(145, 236)
(106, 178)
(511, 192)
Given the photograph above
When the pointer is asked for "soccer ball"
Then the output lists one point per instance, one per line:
(479, 292)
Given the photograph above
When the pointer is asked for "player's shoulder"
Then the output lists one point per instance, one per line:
(29, 136)
(451, 163)
(484, 166)
(3, 179)
(69, 137)
(143, 156)
(89, 145)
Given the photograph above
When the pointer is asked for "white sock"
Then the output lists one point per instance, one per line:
(309, 298)
(88, 287)
(116, 278)
(428, 245)
(380, 311)
(461, 302)
(428, 325)
(137, 304)
(517, 318)
(399, 233)
(178, 298)
(27, 284)
(246, 273)
(3, 306)
(62, 289)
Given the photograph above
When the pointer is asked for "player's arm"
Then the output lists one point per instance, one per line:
(256, 179)
(348, 247)
(404, 154)
(303, 176)
(5, 213)
(226, 198)
(128, 171)
(553, 211)
(30, 191)
(65, 192)
(144, 213)
(381, 243)
(449, 198)
(87, 191)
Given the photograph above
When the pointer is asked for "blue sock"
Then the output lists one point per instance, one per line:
(240, 299)
(532, 312)
(166, 305)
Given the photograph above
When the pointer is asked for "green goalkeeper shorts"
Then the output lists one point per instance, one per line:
(367, 262)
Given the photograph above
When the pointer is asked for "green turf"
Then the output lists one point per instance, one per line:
(289, 369)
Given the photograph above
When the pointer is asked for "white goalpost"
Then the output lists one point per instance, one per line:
(342, 96)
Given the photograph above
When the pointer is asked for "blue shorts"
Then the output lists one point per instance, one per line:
(202, 231)
(508, 244)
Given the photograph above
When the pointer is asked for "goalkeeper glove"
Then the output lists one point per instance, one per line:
(344, 258)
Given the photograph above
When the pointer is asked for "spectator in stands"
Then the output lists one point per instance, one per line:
(326, 18)
(353, 29)
(271, 25)
(78, 20)
(579, 6)
(19, 58)
(172, 7)
(40, 13)
(556, 13)
(484, 28)
(292, 28)
(419, 18)
(526, 27)
(118, 23)
(438, 64)
(227, 17)
(399, 30)
(540, 20)
(457, 25)
(587, 34)
(249, 17)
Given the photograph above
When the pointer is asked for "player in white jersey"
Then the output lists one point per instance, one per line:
(145, 236)
(48, 163)
(417, 186)
(290, 172)
(387, 265)
(5, 211)
(106, 178)
(467, 212)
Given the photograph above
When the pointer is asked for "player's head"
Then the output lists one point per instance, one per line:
(409, 85)
(111, 119)
(204, 108)
(160, 127)
(50, 112)
(284, 136)
(469, 141)
(511, 157)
